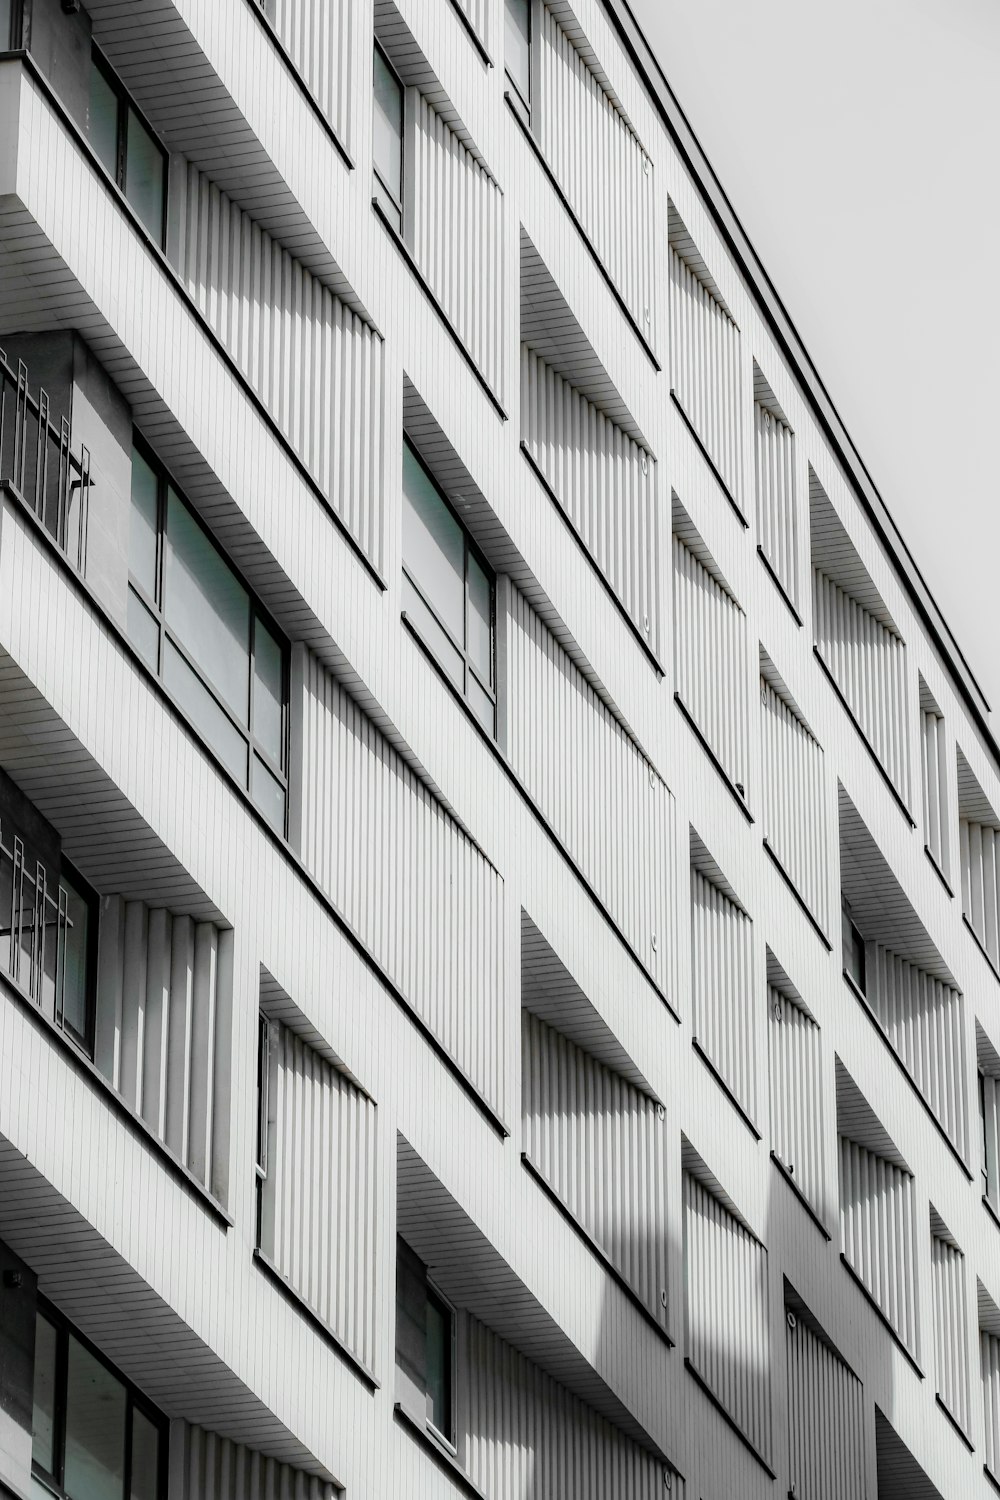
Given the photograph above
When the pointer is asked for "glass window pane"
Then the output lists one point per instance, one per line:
(143, 630)
(517, 45)
(143, 525)
(95, 1428)
(268, 691)
(103, 125)
(268, 793)
(439, 1365)
(482, 706)
(207, 608)
(74, 970)
(448, 657)
(194, 700)
(145, 1457)
(144, 168)
(433, 546)
(44, 1407)
(387, 139)
(480, 625)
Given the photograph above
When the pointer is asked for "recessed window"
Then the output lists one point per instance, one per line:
(127, 148)
(853, 949)
(425, 1345)
(93, 1436)
(199, 628)
(449, 592)
(387, 140)
(517, 50)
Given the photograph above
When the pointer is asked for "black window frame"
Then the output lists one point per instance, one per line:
(469, 549)
(380, 185)
(135, 1400)
(125, 103)
(164, 482)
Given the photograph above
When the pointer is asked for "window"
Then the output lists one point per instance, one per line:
(449, 592)
(7, 25)
(127, 148)
(425, 1345)
(853, 949)
(93, 1435)
(201, 631)
(517, 51)
(387, 140)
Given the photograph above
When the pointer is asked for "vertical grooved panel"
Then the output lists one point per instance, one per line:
(420, 894)
(796, 1094)
(794, 801)
(457, 240)
(727, 1316)
(313, 362)
(933, 764)
(316, 34)
(979, 846)
(604, 481)
(599, 1144)
(594, 785)
(777, 515)
(951, 1344)
(722, 987)
(877, 1233)
(205, 1466)
(989, 1351)
(705, 367)
(600, 165)
(826, 1428)
(710, 660)
(318, 1214)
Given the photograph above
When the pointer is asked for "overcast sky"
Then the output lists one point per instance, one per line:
(859, 143)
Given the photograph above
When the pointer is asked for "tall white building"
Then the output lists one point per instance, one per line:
(499, 892)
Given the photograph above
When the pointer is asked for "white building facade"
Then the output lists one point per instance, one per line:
(499, 852)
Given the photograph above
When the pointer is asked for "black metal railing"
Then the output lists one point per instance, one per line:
(36, 461)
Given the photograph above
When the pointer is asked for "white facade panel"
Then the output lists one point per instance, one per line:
(777, 517)
(723, 1019)
(205, 1466)
(317, 35)
(826, 1418)
(951, 1328)
(705, 367)
(797, 1095)
(710, 660)
(877, 1233)
(794, 794)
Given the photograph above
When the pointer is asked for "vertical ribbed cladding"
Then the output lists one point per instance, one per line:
(705, 367)
(594, 785)
(723, 988)
(727, 1314)
(989, 1353)
(526, 1436)
(457, 240)
(421, 895)
(205, 1466)
(796, 1094)
(600, 165)
(317, 1223)
(934, 769)
(826, 1423)
(313, 362)
(316, 34)
(922, 1017)
(163, 1028)
(867, 660)
(794, 800)
(989, 1085)
(600, 1145)
(605, 482)
(951, 1339)
(877, 1233)
(777, 516)
(710, 659)
(475, 13)
(979, 851)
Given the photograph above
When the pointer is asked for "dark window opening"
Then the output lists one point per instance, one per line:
(387, 139)
(853, 950)
(517, 50)
(127, 148)
(425, 1345)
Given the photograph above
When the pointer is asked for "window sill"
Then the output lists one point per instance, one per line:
(724, 1086)
(605, 582)
(849, 711)
(474, 38)
(449, 327)
(437, 1451)
(776, 862)
(716, 472)
(606, 276)
(264, 1264)
(596, 1251)
(727, 1418)
(956, 1424)
(785, 1173)
(869, 1011)
(88, 1070)
(786, 596)
(716, 762)
(910, 1358)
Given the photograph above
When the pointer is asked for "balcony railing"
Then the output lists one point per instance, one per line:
(35, 460)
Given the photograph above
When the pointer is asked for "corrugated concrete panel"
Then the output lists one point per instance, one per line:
(777, 515)
(796, 1061)
(705, 364)
(934, 775)
(989, 1353)
(317, 35)
(723, 987)
(951, 1327)
(794, 799)
(826, 1418)
(205, 1466)
(711, 669)
(877, 1233)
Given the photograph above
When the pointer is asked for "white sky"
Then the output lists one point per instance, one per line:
(859, 143)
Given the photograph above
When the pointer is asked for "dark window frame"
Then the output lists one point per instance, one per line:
(859, 948)
(447, 1308)
(164, 482)
(126, 102)
(92, 901)
(381, 186)
(135, 1400)
(469, 549)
